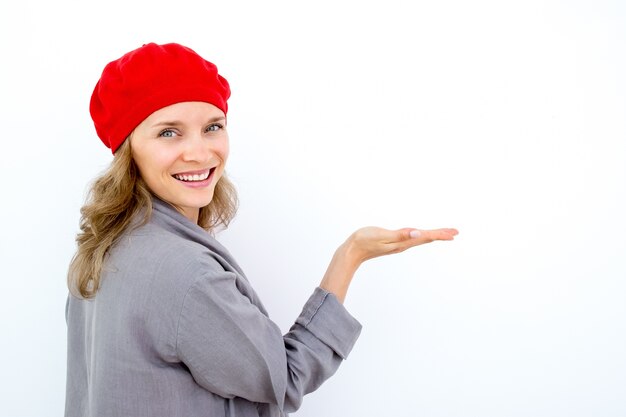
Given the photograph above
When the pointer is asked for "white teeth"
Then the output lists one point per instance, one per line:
(195, 177)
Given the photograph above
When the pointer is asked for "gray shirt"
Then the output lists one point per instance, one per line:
(176, 330)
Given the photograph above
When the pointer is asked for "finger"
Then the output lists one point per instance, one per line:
(444, 234)
(405, 235)
(395, 236)
(423, 236)
(420, 237)
(453, 232)
(437, 234)
(407, 238)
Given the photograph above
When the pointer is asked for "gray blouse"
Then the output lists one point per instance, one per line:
(176, 330)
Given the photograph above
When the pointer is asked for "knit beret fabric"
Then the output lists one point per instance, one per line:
(147, 79)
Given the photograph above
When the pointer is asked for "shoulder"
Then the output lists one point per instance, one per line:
(147, 276)
(154, 254)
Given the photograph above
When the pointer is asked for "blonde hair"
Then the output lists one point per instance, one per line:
(114, 199)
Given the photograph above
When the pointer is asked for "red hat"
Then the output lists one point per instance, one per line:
(147, 79)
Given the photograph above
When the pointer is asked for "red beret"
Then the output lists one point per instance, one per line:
(147, 79)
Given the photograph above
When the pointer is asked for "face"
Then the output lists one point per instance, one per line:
(181, 151)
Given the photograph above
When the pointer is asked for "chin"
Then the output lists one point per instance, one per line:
(200, 203)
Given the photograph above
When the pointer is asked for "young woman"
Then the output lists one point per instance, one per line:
(161, 319)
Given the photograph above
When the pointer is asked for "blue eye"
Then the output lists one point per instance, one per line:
(214, 127)
(167, 133)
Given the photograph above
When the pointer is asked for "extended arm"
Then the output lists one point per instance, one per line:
(234, 350)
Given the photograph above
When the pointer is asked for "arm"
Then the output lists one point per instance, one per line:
(233, 350)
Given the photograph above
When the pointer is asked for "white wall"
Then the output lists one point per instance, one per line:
(506, 120)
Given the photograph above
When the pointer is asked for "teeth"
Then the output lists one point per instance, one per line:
(195, 177)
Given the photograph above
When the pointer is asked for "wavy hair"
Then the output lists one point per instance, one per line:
(114, 199)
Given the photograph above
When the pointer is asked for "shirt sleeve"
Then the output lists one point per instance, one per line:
(233, 350)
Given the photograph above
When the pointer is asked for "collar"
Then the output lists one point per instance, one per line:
(167, 217)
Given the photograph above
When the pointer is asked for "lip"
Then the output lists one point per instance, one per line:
(196, 184)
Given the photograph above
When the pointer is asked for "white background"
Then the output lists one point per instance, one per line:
(504, 119)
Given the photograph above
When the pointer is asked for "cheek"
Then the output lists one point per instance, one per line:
(224, 149)
(152, 162)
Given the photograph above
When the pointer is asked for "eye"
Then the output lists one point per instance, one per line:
(214, 127)
(168, 133)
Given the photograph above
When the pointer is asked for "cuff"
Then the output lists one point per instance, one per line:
(328, 320)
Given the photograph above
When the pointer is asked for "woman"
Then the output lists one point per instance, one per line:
(161, 319)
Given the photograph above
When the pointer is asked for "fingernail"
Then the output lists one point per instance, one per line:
(414, 234)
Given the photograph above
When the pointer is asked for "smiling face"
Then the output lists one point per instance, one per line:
(181, 151)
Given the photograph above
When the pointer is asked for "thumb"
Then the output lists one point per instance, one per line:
(407, 233)
(414, 233)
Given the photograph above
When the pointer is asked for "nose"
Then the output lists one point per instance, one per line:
(197, 149)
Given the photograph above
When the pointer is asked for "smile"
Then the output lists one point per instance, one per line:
(193, 177)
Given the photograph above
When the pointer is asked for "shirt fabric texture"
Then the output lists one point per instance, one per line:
(176, 330)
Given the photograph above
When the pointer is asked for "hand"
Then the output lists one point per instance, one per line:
(371, 242)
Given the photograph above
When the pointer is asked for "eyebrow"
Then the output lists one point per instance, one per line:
(179, 123)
